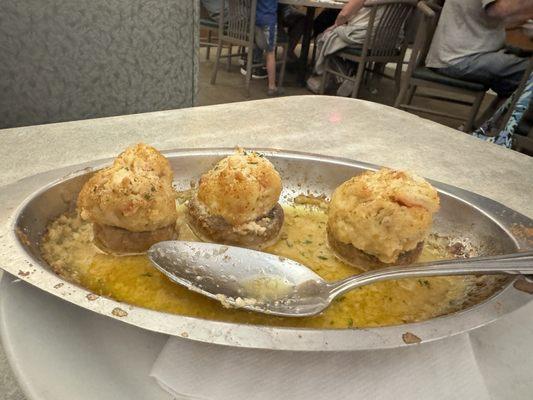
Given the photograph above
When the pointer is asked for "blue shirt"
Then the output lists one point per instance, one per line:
(266, 12)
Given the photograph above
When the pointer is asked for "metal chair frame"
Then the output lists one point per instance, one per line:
(239, 30)
(383, 42)
(409, 84)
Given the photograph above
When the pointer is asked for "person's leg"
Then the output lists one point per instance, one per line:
(270, 55)
(271, 69)
(268, 34)
(294, 21)
(257, 56)
(324, 20)
(499, 71)
(509, 69)
(259, 71)
(295, 35)
(490, 130)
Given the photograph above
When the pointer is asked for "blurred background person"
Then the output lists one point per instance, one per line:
(469, 43)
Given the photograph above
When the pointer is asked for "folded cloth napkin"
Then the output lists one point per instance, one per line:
(445, 369)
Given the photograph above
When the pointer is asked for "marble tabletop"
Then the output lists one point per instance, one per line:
(333, 126)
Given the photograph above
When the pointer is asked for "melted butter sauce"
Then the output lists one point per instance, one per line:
(69, 249)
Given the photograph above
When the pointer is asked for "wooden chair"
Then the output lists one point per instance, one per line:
(418, 75)
(238, 29)
(383, 42)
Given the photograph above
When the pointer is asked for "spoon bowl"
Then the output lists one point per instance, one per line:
(242, 278)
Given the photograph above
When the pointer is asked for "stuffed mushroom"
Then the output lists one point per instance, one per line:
(237, 202)
(380, 218)
(132, 203)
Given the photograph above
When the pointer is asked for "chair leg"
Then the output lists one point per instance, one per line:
(358, 79)
(217, 60)
(473, 112)
(285, 48)
(249, 63)
(404, 86)
(228, 66)
(322, 88)
(411, 94)
(490, 110)
(313, 54)
(379, 70)
(208, 50)
(366, 76)
(398, 76)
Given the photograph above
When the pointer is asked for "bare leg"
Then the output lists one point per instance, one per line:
(271, 69)
(295, 34)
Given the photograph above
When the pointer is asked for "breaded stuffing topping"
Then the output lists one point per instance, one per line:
(240, 188)
(383, 213)
(144, 159)
(135, 193)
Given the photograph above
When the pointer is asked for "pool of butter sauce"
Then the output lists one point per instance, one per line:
(68, 248)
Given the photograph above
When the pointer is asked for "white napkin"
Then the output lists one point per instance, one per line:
(445, 369)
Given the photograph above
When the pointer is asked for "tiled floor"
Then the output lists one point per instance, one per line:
(230, 88)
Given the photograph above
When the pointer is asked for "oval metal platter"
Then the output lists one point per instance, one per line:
(29, 205)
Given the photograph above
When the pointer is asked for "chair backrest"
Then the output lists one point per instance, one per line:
(429, 13)
(238, 25)
(429, 26)
(411, 26)
(385, 32)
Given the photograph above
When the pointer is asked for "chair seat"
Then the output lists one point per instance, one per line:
(208, 23)
(427, 74)
(358, 51)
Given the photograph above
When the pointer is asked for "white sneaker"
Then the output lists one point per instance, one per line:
(313, 84)
(345, 89)
(257, 72)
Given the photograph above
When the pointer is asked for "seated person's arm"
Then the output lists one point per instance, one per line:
(510, 11)
(348, 11)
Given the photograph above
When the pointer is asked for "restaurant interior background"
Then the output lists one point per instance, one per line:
(81, 62)
(64, 61)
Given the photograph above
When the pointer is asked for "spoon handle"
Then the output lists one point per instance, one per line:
(512, 264)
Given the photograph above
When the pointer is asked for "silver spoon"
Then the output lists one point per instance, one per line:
(266, 283)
